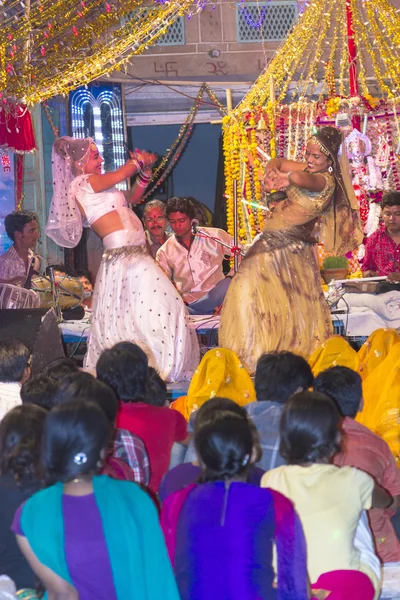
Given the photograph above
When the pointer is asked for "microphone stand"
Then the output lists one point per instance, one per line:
(198, 231)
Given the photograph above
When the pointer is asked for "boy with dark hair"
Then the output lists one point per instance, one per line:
(125, 368)
(194, 262)
(365, 450)
(279, 375)
(19, 262)
(40, 390)
(14, 371)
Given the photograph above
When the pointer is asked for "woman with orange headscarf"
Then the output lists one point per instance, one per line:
(374, 351)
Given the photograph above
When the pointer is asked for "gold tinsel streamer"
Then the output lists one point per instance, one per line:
(56, 45)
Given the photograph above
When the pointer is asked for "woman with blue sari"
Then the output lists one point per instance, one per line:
(89, 536)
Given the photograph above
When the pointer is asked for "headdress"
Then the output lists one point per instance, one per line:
(340, 226)
(69, 156)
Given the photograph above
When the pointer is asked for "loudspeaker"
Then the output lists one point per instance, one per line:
(38, 330)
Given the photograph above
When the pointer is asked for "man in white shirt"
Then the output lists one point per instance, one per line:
(155, 221)
(194, 262)
(14, 371)
(19, 262)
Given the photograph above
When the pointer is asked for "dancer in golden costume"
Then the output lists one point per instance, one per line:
(275, 301)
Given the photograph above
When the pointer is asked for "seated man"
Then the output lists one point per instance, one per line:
(155, 222)
(363, 449)
(19, 263)
(382, 249)
(194, 262)
(84, 278)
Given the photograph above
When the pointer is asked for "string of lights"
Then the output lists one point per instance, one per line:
(50, 47)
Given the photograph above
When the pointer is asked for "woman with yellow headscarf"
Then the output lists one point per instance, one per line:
(336, 351)
(374, 351)
(220, 373)
(381, 391)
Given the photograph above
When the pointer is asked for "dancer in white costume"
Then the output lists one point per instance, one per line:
(133, 299)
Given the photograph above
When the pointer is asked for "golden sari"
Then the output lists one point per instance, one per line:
(219, 374)
(275, 301)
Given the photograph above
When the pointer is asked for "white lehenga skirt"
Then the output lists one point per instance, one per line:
(135, 301)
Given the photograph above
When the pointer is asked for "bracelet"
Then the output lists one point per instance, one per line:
(288, 175)
(135, 162)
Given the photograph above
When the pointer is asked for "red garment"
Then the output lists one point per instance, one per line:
(159, 427)
(117, 469)
(370, 453)
(382, 254)
(345, 585)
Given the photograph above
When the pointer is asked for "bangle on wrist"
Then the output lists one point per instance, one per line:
(288, 175)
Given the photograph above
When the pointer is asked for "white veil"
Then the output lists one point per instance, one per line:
(64, 224)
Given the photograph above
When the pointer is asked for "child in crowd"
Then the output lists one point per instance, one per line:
(125, 368)
(220, 532)
(189, 472)
(14, 371)
(20, 477)
(328, 499)
(88, 536)
(40, 390)
(363, 449)
(126, 457)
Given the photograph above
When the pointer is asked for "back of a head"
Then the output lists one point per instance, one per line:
(214, 408)
(61, 367)
(20, 443)
(59, 268)
(83, 386)
(75, 433)
(124, 367)
(224, 447)
(182, 205)
(156, 389)
(344, 386)
(40, 390)
(281, 374)
(16, 221)
(14, 359)
(309, 428)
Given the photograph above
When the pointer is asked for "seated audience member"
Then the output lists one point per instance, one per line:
(220, 532)
(156, 389)
(194, 262)
(60, 367)
(14, 371)
(156, 222)
(335, 351)
(19, 263)
(58, 270)
(278, 376)
(328, 499)
(189, 472)
(84, 278)
(20, 477)
(220, 373)
(88, 536)
(125, 368)
(374, 351)
(127, 456)
(363, 449)
(382, 248)
(40, 390)
(381, 410)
